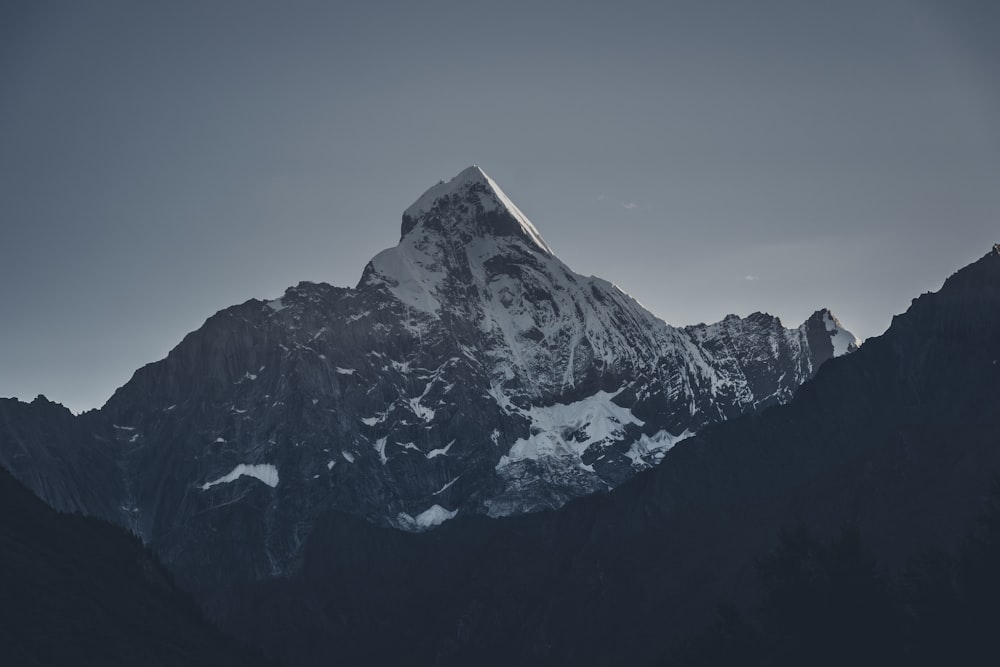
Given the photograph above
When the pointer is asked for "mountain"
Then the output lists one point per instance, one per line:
(470, 371)
(897, 441)
(80, 591)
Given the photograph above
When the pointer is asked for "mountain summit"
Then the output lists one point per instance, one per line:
(469, 372)
(451, 236)
(471, 197)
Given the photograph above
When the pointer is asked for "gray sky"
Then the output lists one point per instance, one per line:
(161, 161)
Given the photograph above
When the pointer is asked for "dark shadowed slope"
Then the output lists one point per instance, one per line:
(900, 440)
(78, 591)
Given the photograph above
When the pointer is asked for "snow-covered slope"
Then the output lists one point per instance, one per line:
(470, 371)
(467, 253)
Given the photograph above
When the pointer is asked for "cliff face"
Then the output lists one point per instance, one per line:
(71, 462)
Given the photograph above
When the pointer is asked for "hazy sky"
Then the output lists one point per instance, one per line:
(160, 161)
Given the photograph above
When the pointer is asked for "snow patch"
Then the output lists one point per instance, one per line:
(348, 457)
(421, 411)
(276, 305)
(440, 452)
(345, 371)
(445, 487)
(434, 515)
(569, 430)
(380, 449)
(265, 472)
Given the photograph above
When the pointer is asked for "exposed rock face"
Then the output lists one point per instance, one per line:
(470, 371)
(70, 461)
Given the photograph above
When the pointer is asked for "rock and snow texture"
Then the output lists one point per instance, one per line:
(653, 447)
(568, 431)
(470, 371)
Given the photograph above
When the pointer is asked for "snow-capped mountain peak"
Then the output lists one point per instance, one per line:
(843, 340)
(456, 238)
(472, 197)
